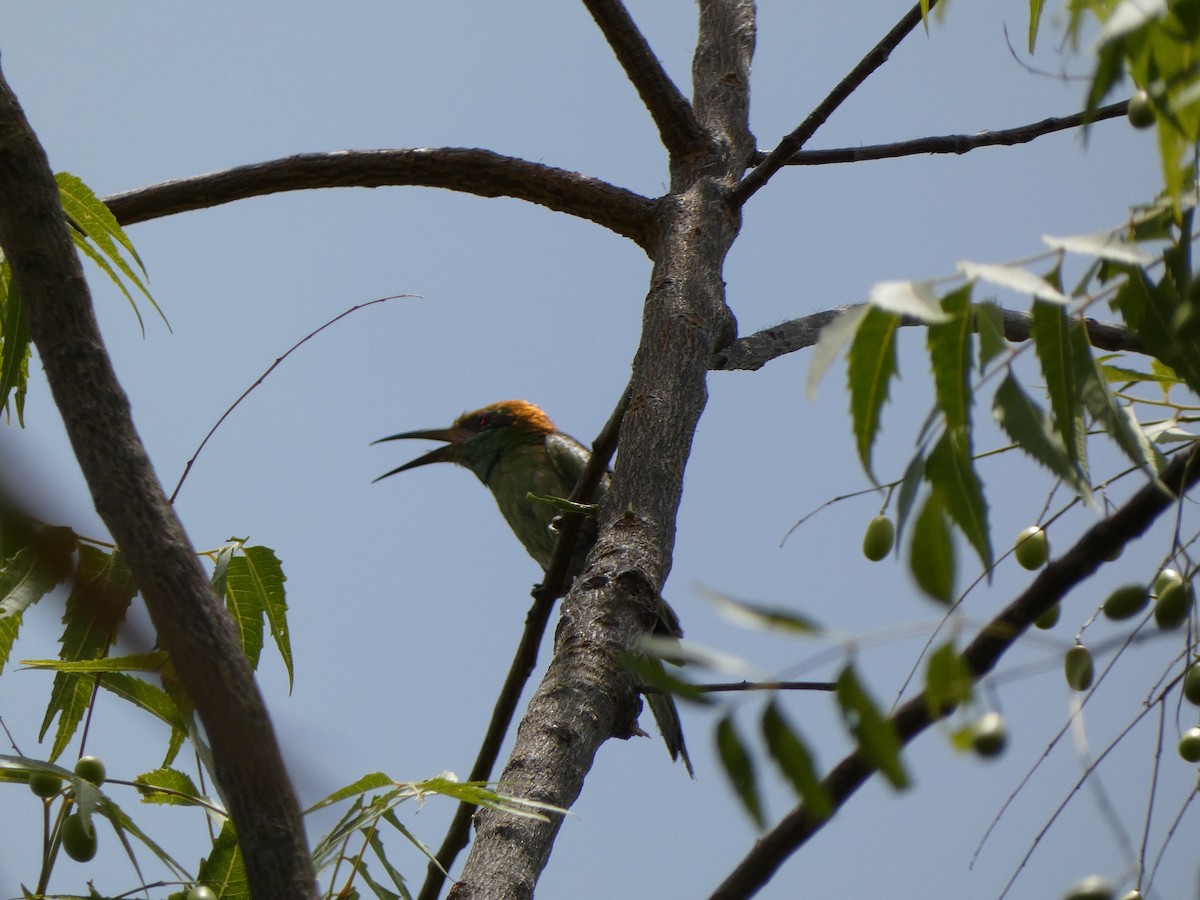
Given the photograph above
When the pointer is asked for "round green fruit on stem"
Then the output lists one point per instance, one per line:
(1141, 111)
(1172, 606)
(1032, 548)
(1094, 887)
(989, 735)
(1191, 686)
(1079, 668)
(89, 768)
(1189, 745)
(1126, 601)
(879, 538)
(201, 892)
(1049, 618)
(1167, 578)
(45, 784)
(76, 839)
(1133, 895)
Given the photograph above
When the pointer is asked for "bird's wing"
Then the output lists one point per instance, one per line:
(568, 456)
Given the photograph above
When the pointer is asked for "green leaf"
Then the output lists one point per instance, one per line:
(165, 785)
(952, 475)
(224, 870)
(1149, 310)
(874, 732)
(1035, 18)
(871, 366)
(989, 319)
(137, 662)
(948, 681)
(254, 591)
(393, 873)
(931, 553)
(833, 337)
(14, 345)
(1051, 336)
(759, 615)
(147, 697)
(951, 353)
(31, 564)
(795, 762)
(1031, 429)
(739, 769)
(95, 608)
(375, 781)
(914, 474)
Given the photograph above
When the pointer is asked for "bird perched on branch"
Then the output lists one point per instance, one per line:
(515, 450)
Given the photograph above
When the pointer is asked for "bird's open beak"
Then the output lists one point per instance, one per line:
(453, 437)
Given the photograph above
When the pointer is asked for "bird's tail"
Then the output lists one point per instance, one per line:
(667, 717)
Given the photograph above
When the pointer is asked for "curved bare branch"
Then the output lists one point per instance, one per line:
(754, 351)
(189, 617)
(952, 143)
(681, 134)
(787, 147)
(479, 172)
(981, 655)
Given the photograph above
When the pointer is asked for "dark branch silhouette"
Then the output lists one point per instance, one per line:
(478, 172)
(754, 351)
(681, 134)
(980, 656)
(787, 147)
(952, 143)
(189, 618)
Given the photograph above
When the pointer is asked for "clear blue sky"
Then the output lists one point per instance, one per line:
(408, 596)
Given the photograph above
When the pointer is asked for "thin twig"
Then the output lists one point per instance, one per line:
(787, 147)
(681, 134)
(263, 377)
(952, 143)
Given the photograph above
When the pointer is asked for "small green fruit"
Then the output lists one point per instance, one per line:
(1032, 548)
(45, 784)
(879, 538)
(89, 768)
(1189, 744)
(1094, 887)
(1126, 601)
(200, 892)
(1079, 668)
(1172, 606)
(1141, 111)
(989, 736)
(1049, 618)
(1191, 687)
(1165, 579)
(1133, 895)
(76, 839)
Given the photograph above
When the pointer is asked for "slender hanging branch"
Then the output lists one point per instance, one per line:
(980, 656)
(478, 172)
(681, 134)
(779, 157)
(952, 143)
(189, 617)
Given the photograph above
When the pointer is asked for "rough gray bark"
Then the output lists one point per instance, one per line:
(588, 694)
(191, 621)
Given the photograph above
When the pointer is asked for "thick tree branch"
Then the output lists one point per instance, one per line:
(981, 655)
(787, 147)
(190, 619)
(588, 694)
(756, 350)
(478, 172)
(681, 134)
(952, 143)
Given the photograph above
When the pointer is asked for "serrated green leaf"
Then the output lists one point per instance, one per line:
(374, 781)
(167, 786)
(792, 757)
(363, 872)
(1163, 375)
(1035, 19)
(1149, 310)
(948, 681)
(31, 565)
(952, 474)
(1014, 278)
(393, 873)
(914, 474)
(95, 608)
(874, 733)
(223, 870)
(14, 345)
(136, 662)
(834, 337)
(1118, 421)
(254, 592)
(146, 696)
(951, 354)
(739, 769)
(1031, 429)
(871, 367)
(1050, 332)
(989, 320)
(931, 553)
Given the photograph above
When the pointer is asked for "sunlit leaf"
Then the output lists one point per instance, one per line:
(1103, 245)
(834, 337)
(1014, 278)
(951, 353)
(908, 298)
(1051, 331)
(871, 367)
(1031, 429)
(948, 681)
(165, 785)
